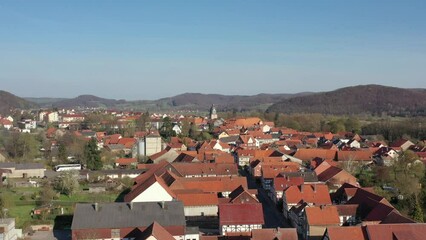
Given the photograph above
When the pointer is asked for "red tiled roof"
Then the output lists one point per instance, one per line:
(213, 184)
(238, 214)
(198, 199)
(398, 143)
(271, 171)
(347, 209)
(281, 183)
(142, 186)
(347, 233)
(247, 122)
(322, 216)
(415, 231)
(126, 161)
(157, 231)
(205, 169)
(274, 234)
(309, 154)
(317, 194)
(127, 142)
(354, 155)
(241, 195)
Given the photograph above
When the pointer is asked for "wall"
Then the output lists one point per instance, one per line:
(197, 210)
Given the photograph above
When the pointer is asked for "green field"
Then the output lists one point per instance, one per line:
(20, 207)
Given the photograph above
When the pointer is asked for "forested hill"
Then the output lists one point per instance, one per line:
(9, 102)
(87, 101)
(373, 99)
(186, 101)
(223, 102)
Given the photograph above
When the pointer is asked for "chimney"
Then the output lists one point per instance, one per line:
(130, 205)
(315, 188)
(96, 207)
(301, 188)
(163, 204)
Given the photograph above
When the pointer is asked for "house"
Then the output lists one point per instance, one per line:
(154, 232)
(274, 234)
(411, 231)
(222, 186)
(372, 208)
(123, 220)
(7, 124)
(23, 170)
(148, 145)
(318, 219)
(47, 116)
(242, 195)
(72, 118)
(385, 156)
(198, 203)
(219, 145)
(168, 154)
(312, 194)
(334, 176)
(176, 128)
(281, 183)
(349, 233)
(247, 142)
(311, 153)
(126, 162)
(190, 170)
(8, 230)
(347, 214)
(353, 144)
(361, 156)
(271, 171)
(153, 189)
(403, 144)
(240, 219)
(27, 124)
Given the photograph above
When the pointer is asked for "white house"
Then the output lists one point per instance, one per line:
(152, 190)
(240, 218)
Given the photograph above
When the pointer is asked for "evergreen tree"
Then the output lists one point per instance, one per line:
(416, 212)
(62, 152)
(92, 155)
(2, 207)
(166, 131)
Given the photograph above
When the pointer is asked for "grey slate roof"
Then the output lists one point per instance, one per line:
(20, 166)
(230, 139)
(120, 215)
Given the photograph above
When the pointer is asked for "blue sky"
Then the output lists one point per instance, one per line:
(153, 49)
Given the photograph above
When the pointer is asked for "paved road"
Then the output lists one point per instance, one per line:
(273, 217)
(51, 235)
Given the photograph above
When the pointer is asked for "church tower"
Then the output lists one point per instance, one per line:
(213, 114)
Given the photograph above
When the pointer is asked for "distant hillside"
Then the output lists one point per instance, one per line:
(374, 99)
(44, 102)
(225, 102)
(9, 101)
(88, 101)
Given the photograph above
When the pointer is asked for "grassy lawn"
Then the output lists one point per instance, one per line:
(22, 215)
(20, 208)
(89, 197)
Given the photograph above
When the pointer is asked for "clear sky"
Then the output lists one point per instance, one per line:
(148, 50)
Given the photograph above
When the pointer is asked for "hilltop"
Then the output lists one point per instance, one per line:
(186, 101)
(9, 101)
(373, 99)
(89, 101)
